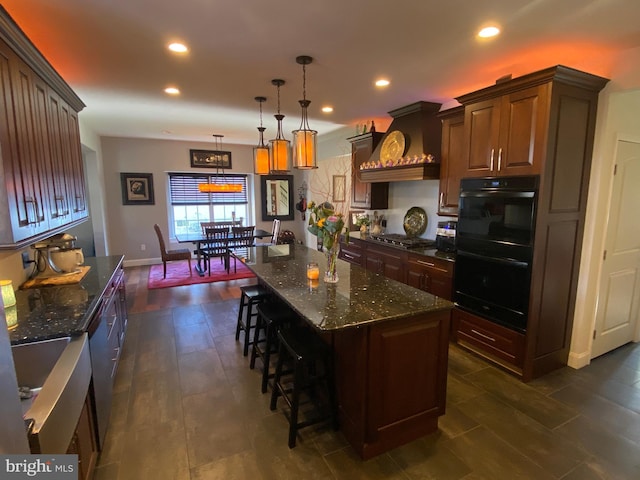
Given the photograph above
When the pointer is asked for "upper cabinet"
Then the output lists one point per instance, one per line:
(506, 135)
(452, 160)
(42, 191)
(366, 195)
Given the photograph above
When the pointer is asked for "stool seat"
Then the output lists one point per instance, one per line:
(272, 316)
(312, 367)
(251, 295)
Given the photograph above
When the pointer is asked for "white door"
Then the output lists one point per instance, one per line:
(619, 296)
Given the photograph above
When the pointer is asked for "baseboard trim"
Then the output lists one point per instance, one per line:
(579, 360)
(140, 262)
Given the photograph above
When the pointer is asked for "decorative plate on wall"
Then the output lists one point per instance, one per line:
(392, 147)
(415, 222)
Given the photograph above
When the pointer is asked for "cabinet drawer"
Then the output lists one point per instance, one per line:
(437, 265)
(498, 342)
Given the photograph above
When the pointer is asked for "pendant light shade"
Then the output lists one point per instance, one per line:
(279, 147)
(219, 183)
(261, 151)
(304, 139)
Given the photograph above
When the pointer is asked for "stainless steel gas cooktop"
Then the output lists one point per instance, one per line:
(403, 241)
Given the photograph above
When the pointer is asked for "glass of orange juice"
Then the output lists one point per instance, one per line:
(313, 271)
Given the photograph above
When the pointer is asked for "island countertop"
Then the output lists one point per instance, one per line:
(360, 297)
(59, 311)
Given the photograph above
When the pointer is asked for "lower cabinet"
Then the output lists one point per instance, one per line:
(84, 443)
(352, 252)
(386, 261)
(488, 339)
(106, 336)
(431, 274)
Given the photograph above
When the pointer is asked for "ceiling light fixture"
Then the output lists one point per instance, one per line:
(383, 82)
(261, 151)
(305, 140)
(172, 91)
(279, 147)
(178, 47)
(327, 109)
(218, 182)
(488, 32)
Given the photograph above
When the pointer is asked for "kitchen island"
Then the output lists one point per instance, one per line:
(390, 344)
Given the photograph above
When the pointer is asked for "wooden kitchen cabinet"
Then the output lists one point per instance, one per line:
(506, 135)
(452, 160)
(431, 274)
(366, 195)
(351, 252)
(84, 443)
(43, 189)
(386, 261)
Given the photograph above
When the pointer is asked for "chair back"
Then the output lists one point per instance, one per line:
(205, 225)
(217, 240)
(242, 236)
(275, 231)
(163, 248)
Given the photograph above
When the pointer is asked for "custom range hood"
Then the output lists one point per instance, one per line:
(410, 149)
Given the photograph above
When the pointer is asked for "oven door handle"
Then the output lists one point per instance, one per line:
(504, 261)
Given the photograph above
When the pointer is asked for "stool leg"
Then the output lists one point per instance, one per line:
(240, 312)
(247, 328)
(256, 339)
(276, 380)
(295, 403)
(267, 357)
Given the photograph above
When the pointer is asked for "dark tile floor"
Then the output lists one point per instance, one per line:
(186, 406)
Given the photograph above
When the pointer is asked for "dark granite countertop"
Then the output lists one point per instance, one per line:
(360, 297)
(427, 252)
(60, 311)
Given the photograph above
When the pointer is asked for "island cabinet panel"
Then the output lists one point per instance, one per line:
(84, 443)
(386, 261)
(42, 191)
(398, 393)
(452, 160)
(366, 195)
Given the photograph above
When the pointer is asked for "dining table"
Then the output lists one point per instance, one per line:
(389, 340)
(199, 238)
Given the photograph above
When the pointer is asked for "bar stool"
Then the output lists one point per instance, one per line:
(272, 316)
(251, 296)
(312, 366)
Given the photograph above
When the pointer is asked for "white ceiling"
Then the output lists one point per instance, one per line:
(112, 53)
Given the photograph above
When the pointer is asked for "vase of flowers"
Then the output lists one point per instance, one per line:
(327, 225)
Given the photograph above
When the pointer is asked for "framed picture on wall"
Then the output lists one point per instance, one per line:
(210, 158)
(339, 186)
(137, 188)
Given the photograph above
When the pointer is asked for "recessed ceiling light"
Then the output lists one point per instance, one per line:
(172, 91)
(489, 31)
(178, 47)
(382, 82)
(327, 109)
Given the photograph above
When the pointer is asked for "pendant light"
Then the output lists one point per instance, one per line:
(218, 184)
(261, 152)
(279, 147)
(304, 139)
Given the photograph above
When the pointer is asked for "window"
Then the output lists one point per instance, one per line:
(190, 206)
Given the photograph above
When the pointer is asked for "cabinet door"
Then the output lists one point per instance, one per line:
(523, 130)
(386, 261)
(364, 194)
(351, 252)
(482, 130)
(431, 275)
(451, 163)
(77, 166)
(30, 192)
(84, 443)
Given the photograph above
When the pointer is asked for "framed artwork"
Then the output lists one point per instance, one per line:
(277, 197)
(339, 186)
(137, 188)
(210, 158)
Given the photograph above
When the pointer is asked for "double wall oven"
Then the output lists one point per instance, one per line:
(494, 243)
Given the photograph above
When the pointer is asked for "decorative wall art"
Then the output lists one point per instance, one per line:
(137, 188)
(339, 187)
(210, 158)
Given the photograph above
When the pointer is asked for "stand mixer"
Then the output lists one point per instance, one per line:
(57, 255)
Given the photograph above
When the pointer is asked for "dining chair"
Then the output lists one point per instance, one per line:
(205, 225)
(242, 238)
(216, 245)
(171, 255)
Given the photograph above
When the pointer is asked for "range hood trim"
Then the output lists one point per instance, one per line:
(422, 171)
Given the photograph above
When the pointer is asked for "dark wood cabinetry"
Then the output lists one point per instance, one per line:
(431, 274)
(84, 443)
(352, 252)
(43, 190)
(507, 135)
(386, 261)
(106, 336)
(452, 160)
(366, 195)
(542, 123)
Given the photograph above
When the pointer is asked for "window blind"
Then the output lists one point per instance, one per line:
(183, 189)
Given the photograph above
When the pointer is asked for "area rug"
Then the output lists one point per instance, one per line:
(178, 274)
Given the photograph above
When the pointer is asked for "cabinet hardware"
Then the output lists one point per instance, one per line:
(499, 158)
(491, 163)
(487, 337)
(346, 255)
(441, 199)
(428, 264)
